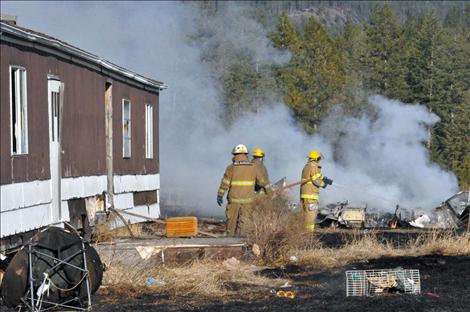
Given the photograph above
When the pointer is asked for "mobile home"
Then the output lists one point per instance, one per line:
(78, 134)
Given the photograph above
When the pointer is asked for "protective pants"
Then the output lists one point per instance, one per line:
(234, 214)
(310, 209)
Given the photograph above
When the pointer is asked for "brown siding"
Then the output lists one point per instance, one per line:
(35, 164)
(137, 163)
(83, 133)
(83, 118)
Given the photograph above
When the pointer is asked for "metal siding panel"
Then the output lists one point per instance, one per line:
(34, 165)
(83, 131)
(136, 183)
(19, 195)
(81, 187)
(22, 220)
(124, 201)
(137, 164)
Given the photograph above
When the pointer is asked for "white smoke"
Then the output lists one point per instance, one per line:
(379, 161)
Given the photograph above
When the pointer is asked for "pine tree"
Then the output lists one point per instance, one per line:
(438, 77)
(315, 74)
(426, 60)
(352, 44)
(386, 54)
(286, 37)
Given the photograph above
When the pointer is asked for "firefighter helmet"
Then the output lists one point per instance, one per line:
(314, 155)
(258, 152)
(240, 149)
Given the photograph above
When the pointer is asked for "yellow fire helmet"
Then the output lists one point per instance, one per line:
(240, 149)
(314, 155)
(258, 152)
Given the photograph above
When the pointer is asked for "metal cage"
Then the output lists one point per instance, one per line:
(376, 282)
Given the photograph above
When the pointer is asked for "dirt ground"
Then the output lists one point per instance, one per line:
(445, 287)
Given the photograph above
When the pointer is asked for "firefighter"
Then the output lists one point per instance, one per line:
(258, 157)
(312, 179)
(239, 180)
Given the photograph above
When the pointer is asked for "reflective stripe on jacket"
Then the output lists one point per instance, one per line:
(314, 180)
(240, 179)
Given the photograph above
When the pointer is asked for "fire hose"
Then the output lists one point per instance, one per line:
(289, 186)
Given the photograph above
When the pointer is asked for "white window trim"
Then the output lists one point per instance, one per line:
(12, 129)
(149, 134)
(130, 128)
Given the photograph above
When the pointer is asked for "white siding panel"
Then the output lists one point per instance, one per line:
(26, 206)
(19, 195)
(22, 220)
(136, 183)
(83, 186)
(124, 201)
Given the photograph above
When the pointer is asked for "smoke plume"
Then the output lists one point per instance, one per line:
(377, 160)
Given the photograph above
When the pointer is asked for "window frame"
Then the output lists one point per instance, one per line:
(149, 137)
(25, 97)
(129, 129)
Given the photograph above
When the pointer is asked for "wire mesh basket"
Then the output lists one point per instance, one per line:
(376, 282)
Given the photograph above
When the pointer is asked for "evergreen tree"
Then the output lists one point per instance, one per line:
(352, 44)
(386, 54)
(315, 74)
(427, 61)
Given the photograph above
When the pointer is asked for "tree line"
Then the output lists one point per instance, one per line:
(416, 59)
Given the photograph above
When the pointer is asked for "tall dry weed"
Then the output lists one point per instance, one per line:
(368, 247)
(275, 229)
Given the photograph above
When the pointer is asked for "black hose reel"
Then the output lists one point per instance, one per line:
(56, 269)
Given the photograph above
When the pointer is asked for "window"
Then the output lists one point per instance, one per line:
(148, 131)
(19, 112)
(126, 128)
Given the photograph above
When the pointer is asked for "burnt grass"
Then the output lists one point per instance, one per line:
(445, 286)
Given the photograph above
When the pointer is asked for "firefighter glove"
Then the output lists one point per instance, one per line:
(327, 181)
(220, 200)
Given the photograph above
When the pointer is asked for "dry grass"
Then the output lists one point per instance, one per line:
(201, 278)
(369, 247)
(276, 230)
(280, 234)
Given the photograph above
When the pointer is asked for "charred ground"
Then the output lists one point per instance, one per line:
(445, 277)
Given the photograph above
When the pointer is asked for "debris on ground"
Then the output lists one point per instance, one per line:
(146, 252)
(294, 258)
(150, 281)
(231, 264)
(341, 215)
(421, 221)
(286, 294)
(256, 250)
(433, 295)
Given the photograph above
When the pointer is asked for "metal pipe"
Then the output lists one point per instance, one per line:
(87, 279)
(31, 286)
